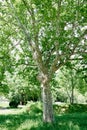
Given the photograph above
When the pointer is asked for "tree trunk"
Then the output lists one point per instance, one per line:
(47, 102)
(72, 91)
(72, 95)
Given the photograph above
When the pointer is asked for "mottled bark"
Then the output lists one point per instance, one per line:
(47, 102)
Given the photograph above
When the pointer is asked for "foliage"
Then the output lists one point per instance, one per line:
(50, 25)
(22, 88)
(63, 108)
(59, 94)
(13, 104)
(33, 107)
(69, 80)
(4, 89)
(44, 35)
(77, 108)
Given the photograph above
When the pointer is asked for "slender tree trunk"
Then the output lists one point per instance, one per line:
(72, 92)
(47, 102)
(72, 95)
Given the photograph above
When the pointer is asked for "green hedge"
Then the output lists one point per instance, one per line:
(70, 108)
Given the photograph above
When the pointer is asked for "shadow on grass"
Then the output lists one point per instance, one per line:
(31, 119)
(65, 122)
(13, 122)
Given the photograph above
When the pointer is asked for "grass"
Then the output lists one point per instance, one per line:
(30, 118)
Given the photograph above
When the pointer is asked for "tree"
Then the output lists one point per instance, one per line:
(23, 85)
(70, 84)
(67, 80)
(49, 30)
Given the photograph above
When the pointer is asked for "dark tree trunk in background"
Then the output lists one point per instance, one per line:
(72, 91)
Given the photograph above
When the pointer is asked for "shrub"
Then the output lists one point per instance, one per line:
(77, 108)
(69, 108)
(13, 104)
(14, 100)
(33, 107)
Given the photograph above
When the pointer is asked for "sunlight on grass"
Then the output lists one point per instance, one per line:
(8, 121)
(29, 117)
(28, 124)
(68, 126)
(73, 126)
(3, 128)
(10, 111)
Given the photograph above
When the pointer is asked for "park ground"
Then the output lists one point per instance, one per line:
(29, 117)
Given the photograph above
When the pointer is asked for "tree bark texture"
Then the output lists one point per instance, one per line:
(47, 102)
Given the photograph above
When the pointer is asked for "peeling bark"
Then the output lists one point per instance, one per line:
(47, 102)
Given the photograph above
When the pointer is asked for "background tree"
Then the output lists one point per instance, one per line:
(70, 85)
(23, 86)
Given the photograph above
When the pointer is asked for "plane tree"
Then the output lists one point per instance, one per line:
(49, 33)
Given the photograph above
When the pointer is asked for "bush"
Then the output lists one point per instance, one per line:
(13, 104)
(69, 108)
(33, 107)
(77, 108)
(14, 100)
(36, 108)
(60, 108)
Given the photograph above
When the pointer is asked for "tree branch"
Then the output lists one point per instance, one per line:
(19, 22)
(66, 57)
(26, 5)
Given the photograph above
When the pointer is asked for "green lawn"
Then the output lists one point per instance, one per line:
(30, 118)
